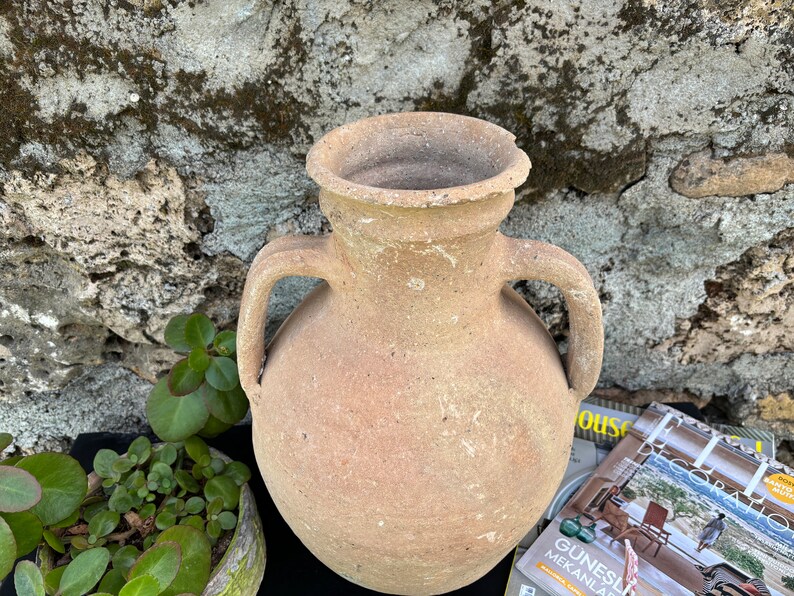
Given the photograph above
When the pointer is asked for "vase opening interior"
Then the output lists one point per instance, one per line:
(418, 152)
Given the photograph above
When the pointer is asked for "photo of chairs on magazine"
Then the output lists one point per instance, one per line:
(674, 508)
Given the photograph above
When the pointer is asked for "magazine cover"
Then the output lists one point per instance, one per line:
(678, 509)
(604, 421)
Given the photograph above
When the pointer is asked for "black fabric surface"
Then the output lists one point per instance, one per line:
(291, 569)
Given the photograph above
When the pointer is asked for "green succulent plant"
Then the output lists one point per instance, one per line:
(149, 529)
(202, 393)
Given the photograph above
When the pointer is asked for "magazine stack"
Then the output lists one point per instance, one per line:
(676, 507)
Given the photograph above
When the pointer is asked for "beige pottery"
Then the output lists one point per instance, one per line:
(413, 418)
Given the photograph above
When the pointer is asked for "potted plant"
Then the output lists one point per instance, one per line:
(628, 494)
(171, 518)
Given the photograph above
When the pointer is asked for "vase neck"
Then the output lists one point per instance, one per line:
(420, 274)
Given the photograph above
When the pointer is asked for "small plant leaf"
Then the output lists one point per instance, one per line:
(147, 510)
(5, 441)
(199, 331)
(175, 418)
(183, 380)
(68, 521)
(112, 582)
(28, 580)
(160, 562)
(222, 373)
(198, 360)
(19, 490)
(121, 501)
(52, 580)
(238, 472)
(186, 481)
(225, 343)
(225, 488)
(227, 406)
(194, 521)
(164, 520)
(63, 482)
(175, 333)
(213, 428)
(125, 558)
(141, 448)
(91, 510)
(197, 449)
(194, 572)
(103, 523)
(8, 549)
(227, 520)
(103, 463)
(27, 530)
(166, 453)
(56, 543)
(214, 529)
(145, 585)
(84, 572)
(194, 505)
(215, 506)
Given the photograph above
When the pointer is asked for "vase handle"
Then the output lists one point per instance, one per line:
(531, 260)
(307, 256)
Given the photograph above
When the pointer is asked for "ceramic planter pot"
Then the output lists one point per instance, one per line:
(242, 567)
(413, 417)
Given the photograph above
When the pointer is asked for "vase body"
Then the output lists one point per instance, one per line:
(412, 417)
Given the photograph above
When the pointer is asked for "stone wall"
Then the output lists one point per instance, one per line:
(149, 148)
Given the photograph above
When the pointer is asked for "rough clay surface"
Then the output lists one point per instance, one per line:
(149, 148)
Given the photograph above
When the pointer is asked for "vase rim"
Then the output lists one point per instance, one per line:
(418, 159)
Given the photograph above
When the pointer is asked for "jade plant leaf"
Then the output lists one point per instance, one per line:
(8, 549)
(225, 343)
(5, 441)
(175, 418)
(28, 579)
(224, 488)
(222, 373)
(164, 520)
(194, 572)
(161, 562)
(175, 333)
(199, 331)
(26, 528)
(182, 379)
(84, 572)
(227, 406)
(145, 585)
(19, 490)
(63, 482)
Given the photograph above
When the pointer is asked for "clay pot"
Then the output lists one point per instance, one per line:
(413, 417)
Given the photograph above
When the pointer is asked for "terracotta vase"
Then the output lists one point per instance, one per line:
(413, 417)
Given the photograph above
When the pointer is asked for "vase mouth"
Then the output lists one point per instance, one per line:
(418, 159)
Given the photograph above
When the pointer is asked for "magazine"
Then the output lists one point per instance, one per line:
(704, 516)
(601, 420)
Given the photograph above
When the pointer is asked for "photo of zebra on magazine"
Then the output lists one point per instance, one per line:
(703, 517)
